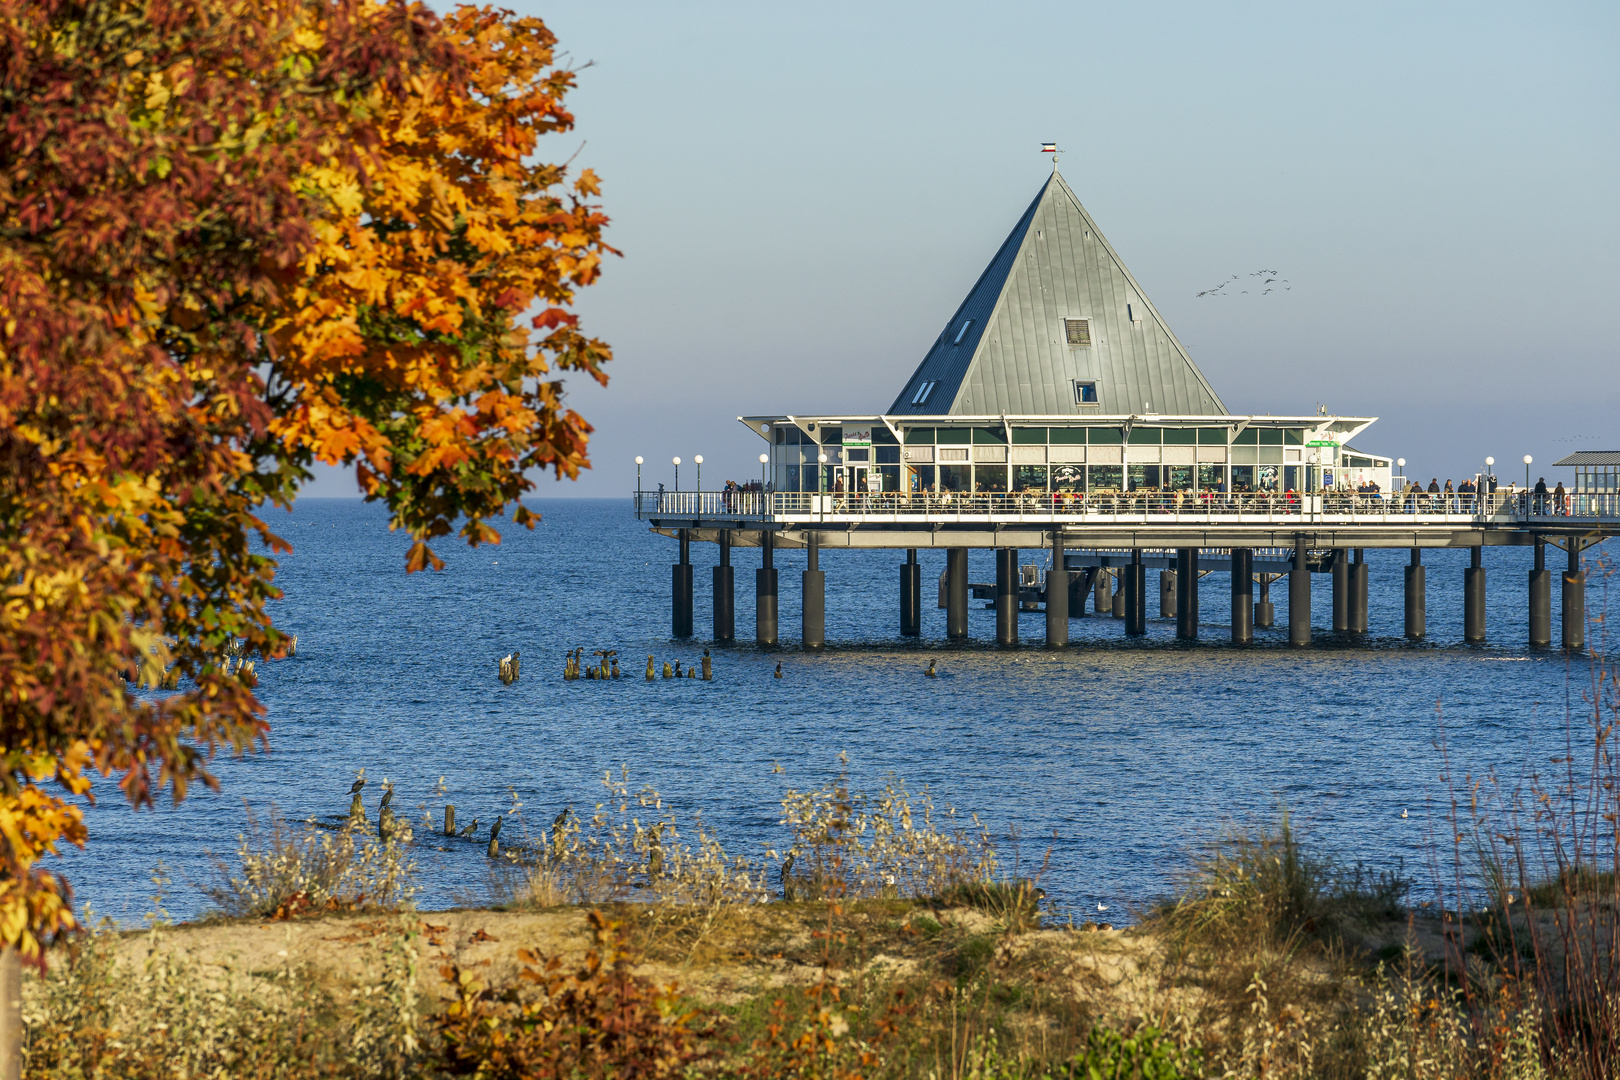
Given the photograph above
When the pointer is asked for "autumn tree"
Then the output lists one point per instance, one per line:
(237, 236)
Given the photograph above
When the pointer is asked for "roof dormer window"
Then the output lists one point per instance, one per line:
(923, 391)
(962, 333)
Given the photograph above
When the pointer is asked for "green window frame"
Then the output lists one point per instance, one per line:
(953, 436)
(1146, 436)
(993, 436)
(919, 436)
(1068, 436)
(1105, 436)
(1211, 436)
(1029, 436)
(1184, 436)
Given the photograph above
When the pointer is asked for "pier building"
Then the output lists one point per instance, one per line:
(1057, 410)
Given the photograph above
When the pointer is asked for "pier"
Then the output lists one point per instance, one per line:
(1030, 424)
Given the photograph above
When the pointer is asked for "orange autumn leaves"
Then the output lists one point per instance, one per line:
(236, 236)
(407, 336)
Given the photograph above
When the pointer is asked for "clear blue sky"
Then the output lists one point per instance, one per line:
(804, 193)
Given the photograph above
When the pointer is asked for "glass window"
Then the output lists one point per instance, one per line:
(1183, 436)
(920, 477)
(1243, 478)
(1178, 477)
(957, 435)
(1144, 477)
(1246, 437)
(1025, 436)
(854, 453)
(1211, 477)
(1290, 477)
(1085, 393)
(792, 482)
(888, 455)
(1029, 477)
(989, 435)
(1211, 436)
(1294, 436)
(1148, 436)
(1271, 437)
(1104, 436)
(1266, 477)
(919, 435)
(1105, 477)
(989, 478)
(881, 434)
(891, 477)
(832, 435)
(1068, 478)
(1070, 436)
(955, 477)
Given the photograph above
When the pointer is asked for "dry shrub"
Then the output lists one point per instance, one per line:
(599, 1021)
(164, 1016)
(888, 845)
(287, 871)
(633, 847)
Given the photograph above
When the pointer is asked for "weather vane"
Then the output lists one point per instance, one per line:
(1051, 148)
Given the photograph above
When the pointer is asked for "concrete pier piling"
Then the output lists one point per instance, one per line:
(1299, 597)
(1007, 596)
(725, 594)
(1265, 614)
(1135, 589)
(765, 592)
(910, 596)
(1167, 594)
(1416, 597)
(1341, 591)
(1358, 592)
(1540, 599)
(1187, 594)
(1080, 586)
(1102, 595)
(813, 612)
(1474, 597)
(1116, 603)
(1242, 596)
(956, 593)
(1574, 600)
(1057, 597)
(681, 589)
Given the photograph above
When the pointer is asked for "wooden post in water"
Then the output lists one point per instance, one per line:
(449, 820)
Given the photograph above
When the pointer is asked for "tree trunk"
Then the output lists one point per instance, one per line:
(11, 1029)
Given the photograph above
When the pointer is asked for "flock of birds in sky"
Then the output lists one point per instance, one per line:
(1270, 281)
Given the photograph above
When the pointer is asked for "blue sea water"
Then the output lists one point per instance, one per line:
(1119, 758)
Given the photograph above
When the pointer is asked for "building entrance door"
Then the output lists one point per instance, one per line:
(855, 479)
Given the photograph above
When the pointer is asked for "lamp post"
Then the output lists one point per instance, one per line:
(764, 467)
(638, 475)
(1483, 491)
(677, 474)
(1527, 460)
(698, 459)
(821, 473)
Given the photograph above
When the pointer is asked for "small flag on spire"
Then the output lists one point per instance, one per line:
(1048, 147)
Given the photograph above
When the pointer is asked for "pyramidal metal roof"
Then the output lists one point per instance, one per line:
(1014, 354)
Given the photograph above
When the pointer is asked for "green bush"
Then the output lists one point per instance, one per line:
(1147, 1054)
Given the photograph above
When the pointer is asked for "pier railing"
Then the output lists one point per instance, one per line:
(1136, 507)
